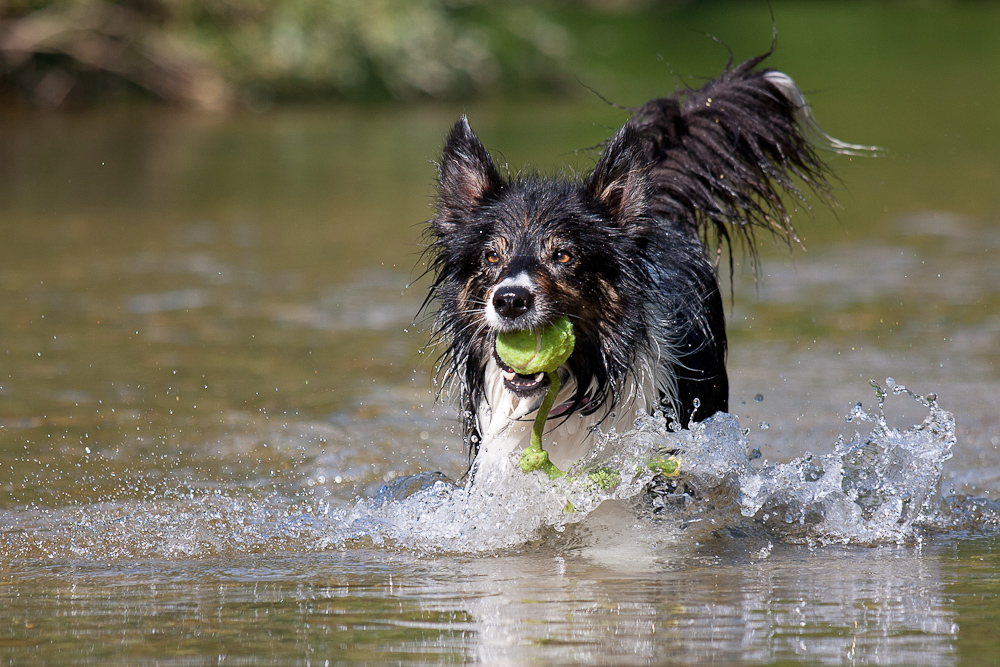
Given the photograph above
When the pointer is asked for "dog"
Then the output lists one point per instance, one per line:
(629, 252)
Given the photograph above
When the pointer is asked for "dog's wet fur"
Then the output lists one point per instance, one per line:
(629, 252)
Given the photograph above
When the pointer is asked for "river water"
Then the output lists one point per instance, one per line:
(211, 366)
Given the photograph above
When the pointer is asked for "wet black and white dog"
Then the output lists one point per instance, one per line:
(622, 252)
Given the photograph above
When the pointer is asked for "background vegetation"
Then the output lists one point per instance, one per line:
(215, 54)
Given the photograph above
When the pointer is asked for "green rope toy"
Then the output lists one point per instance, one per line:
(539, 351)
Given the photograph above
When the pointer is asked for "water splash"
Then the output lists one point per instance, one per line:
(874, 489)
(879, 488)
(505, 508)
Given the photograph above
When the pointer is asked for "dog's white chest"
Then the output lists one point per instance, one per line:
(505, 421)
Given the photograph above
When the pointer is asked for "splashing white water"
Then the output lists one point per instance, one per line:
(873, 489)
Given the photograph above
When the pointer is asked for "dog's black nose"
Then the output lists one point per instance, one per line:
(513, 301)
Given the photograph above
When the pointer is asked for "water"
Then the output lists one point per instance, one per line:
(210, 369)
(881, 488)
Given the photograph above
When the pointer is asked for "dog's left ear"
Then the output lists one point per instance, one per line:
(467, 175)
(620, 181)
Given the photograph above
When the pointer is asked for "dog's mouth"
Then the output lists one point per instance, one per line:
(520, 384)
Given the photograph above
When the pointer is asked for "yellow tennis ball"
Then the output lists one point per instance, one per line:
(531, 351)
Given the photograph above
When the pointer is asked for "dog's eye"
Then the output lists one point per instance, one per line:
(492, 256)
(562, 257)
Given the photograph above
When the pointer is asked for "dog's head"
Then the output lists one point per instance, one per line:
(517, 252)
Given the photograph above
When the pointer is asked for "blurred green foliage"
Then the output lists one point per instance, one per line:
(217, 53)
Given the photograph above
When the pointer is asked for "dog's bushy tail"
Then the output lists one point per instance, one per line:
(723, 155)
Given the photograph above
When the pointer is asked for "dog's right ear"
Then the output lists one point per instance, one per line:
(467, 175)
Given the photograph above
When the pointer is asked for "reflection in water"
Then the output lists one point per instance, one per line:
(828, 606)
(832, 606)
